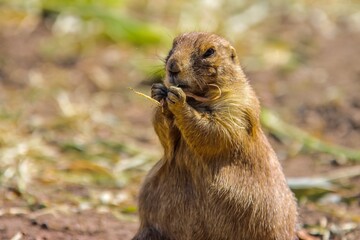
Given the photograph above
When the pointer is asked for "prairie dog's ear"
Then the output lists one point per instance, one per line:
(233, 55)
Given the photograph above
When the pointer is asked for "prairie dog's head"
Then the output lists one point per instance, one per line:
(198, 59)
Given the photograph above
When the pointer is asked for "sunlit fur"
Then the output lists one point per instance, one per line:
(219, 178)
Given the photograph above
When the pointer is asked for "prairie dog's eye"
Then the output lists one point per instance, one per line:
(209, 53)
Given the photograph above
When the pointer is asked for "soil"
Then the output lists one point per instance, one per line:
(80, 226)
(326, 104)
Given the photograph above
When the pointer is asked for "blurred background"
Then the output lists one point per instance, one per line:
(76, 142)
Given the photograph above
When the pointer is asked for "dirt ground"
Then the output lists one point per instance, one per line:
(326, 104)
(82, 225)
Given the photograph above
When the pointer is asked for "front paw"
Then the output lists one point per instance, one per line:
(158, 91)
(176, 98)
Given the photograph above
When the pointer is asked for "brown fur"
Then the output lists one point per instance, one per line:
(219, 178)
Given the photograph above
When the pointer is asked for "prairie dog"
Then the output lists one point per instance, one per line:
(219, 177)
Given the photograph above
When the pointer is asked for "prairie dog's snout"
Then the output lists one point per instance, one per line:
(173, 68)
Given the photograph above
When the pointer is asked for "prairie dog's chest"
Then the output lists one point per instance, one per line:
(200, 107)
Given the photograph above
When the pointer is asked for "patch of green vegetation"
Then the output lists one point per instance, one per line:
(115, 24)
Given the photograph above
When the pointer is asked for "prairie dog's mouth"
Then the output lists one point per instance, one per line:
(178, 83)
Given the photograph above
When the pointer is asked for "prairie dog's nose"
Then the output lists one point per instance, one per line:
(173, 66)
